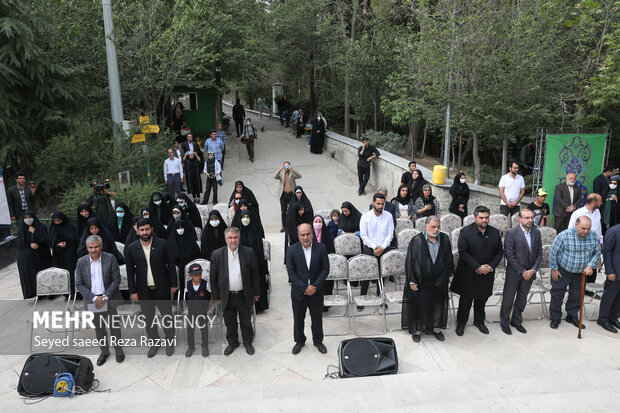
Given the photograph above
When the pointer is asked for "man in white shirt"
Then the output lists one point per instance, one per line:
(511, 190)
(97, 278)
(377, 232)
(591, 210)
(173, 174)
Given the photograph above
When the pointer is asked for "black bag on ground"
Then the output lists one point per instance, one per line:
(40, 372)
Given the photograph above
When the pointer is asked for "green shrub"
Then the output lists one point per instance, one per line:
(389, 141)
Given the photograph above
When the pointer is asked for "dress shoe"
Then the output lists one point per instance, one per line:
(205, 351)
(297, 348)
(519, 328)
(506, 330)
(321, 347)
(416, 337)
(607, 326)
(249, 349)
(101, 359)
(555, 323)
(169, 350)
(483, 329)
(325, 308)
(189, 351)
(229, 349)
(360, 308)
(574, 322)
(460, 330)
(615, 323)
(120, 355)
(152, 351)
(282, 229)
(439, 336)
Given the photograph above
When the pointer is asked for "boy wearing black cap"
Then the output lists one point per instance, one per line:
(198, 300)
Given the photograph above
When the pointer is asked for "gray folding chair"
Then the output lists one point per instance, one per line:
(403, 238)
(403, 223)
(392, 264)
(514, 219)
(419, 224)
(121, 247)
(366, 268)
(452, 306)
(547, 235)
(348, 245)
(338, 271)
(450, 222)
(204, 213)
(131, 309)
(52, 282)
(468, 220)
(223, 210)
(500, 222)
(454, 237)
(324, 213)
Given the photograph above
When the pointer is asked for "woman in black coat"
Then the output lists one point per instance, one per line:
(212, 235)
(300, 196)
(254, 214)
(246, 193)
(322, 234)
(34, 252)
(349, 221)
(190, 208)
(179, 214)
(417, 184)
(250, 237)
(183, 247)
(460, 196)
(83, 213)
(160, 207)
(295, 216)
(64, 240)
(124, 219)
(94, 227)
(158, 228)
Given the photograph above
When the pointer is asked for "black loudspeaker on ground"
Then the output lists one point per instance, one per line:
(40, 371)
(360, 357)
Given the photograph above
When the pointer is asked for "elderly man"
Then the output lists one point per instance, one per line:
(566, 199)
(610, 302)
(287, 176)
(573, 252)
(428, 267)
(523, 250)
(590, 210)
(97, 278)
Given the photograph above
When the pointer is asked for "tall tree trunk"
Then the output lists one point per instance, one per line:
(423, 142)
(504, 155)
(312, 93)
(414, 135)
(375, 98)
(459, 162)
(218, 91)
(476, 156)
(347, 80)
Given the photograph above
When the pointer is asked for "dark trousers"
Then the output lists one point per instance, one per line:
(204, 330)
(249, 145)
(365, 284)
(211, 183)
(560, 223)
(101, 332)
(174, 185)
(610, 302)
(315, 304)
(239, 126)
(237, 305)
(285, 200)
(221, 161)
(504, 210)
(514, 286)
(558, 289)
(462, 315)
(148, 309)
(363, 175)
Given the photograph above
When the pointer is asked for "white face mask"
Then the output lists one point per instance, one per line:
(180, 231)
(463, 180)
(317, 225)
(28, 221)
(214, 223)
(145, 216)
(237, 201)
(245, 221)
(613, 186)
(570, 183)
(157, 202)
(177, 216)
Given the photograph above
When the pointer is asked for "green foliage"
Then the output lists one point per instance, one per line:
(390, 141)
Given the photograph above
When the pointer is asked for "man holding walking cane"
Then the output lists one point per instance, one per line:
(574, 252)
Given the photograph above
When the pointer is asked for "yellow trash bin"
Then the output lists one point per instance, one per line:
(440, 172)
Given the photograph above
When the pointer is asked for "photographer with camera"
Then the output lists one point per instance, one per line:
(100, 201)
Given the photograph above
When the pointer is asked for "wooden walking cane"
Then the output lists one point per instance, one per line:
(583, 288)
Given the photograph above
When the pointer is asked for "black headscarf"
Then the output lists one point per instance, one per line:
(63, 232)
(108, 241)
(400, 199)
(250, 237)
(212, 237)
(126, 226)
(188, 223)
(162, 211)
(133, 235)
(254, 215)
(293, 220)
(183, 247)
(349, 223)
(30, 261)
(416, 185)
(428, 201)
(81, 221)
(158, 227)
(39, 236)
(246, 193)
(326, 236)
(191, 210)
(459, 193)
(304, 201)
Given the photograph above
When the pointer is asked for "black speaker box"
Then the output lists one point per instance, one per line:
(40, 371)
(360, 357)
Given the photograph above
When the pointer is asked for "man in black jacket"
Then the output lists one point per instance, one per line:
(20, 198)
(238, 112)
(152, 281)
(480, 251)
(235, 282)
(600, 185)
(307, 266)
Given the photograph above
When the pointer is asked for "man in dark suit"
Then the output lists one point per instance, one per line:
(523, 250)
(235, 282)
(566, 199)
(610, 302)
(307, 266)
(600, 185)
(97, 278)
(152, 281)
(20, 198)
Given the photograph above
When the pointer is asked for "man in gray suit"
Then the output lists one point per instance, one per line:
(566, 199)
(523, 251)
(97, 278)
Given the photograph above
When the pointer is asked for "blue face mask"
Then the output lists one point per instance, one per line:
(120, 214)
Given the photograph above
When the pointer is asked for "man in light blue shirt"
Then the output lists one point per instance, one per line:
(221, 134)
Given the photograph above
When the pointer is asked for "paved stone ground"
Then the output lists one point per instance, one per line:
(544, 370)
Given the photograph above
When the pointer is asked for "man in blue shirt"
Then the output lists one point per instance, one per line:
(215, 145)
(221, 135)
(574, 251)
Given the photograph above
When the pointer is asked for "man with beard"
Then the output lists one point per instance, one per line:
(152, 281)
(213, 173)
